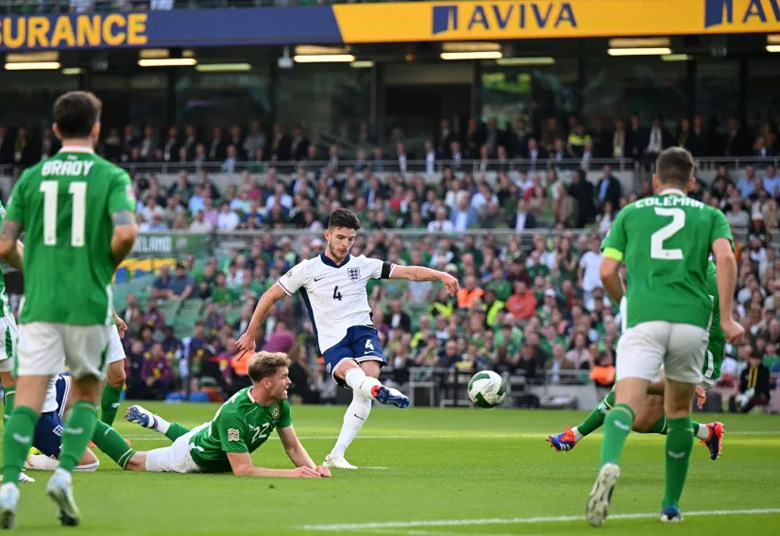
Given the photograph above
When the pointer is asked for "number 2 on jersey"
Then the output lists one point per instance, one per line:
(657, 250)
(79, 209)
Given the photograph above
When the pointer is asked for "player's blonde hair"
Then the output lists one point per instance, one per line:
(265, 364)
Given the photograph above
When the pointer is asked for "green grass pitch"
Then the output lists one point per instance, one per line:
(428, 472)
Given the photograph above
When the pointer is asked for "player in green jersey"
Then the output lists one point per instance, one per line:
(665, 242)
(240, 426)
(9, 333)
(651, 418)
(77, 212)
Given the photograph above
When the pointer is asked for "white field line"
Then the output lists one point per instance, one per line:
(409, 532)
(446, 436)
(521, 520)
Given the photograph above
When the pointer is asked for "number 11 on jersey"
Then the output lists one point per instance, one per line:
(50, 191)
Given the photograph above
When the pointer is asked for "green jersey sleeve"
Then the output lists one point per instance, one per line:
(121, 196)
(614, 244)
(15, 211)
(720, 228)
(285, 417)
(232, 433)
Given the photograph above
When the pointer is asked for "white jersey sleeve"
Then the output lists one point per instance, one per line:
(295, 278)
(377, 269)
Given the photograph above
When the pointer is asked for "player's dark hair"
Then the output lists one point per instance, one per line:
(343, 217)
(674, 166)
(265, 365)
(76, 112)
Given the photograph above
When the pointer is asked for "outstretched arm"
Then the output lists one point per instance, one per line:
(241, 464)
(248, 340)
(421, 273)
(296, 452)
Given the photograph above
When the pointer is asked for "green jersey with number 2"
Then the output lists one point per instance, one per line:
(665, 243)
(64, 205)
(240, 425)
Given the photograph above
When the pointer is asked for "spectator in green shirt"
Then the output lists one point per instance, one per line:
(221, 294)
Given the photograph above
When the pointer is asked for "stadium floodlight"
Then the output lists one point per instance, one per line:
(30, 57)
(773, 48)
(539, 60)
(362, 64)
(642, 51)
(639, 42)
(474, 55)
(676, 57)
(324, 58)
(471, 46)
(32, 66)
(222, 67)
(68, 71)
(167, 62)
(773, 39)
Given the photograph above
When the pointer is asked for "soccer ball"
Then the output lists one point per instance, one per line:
(487, 389)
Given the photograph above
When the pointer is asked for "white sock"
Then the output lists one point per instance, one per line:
(577, 435)
(354, 419)
(360, 383)
(703, 433)
(88, 467)
(64, 474)
(41, 462)
(161, 425)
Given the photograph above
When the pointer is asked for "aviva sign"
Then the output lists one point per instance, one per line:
(752, 13)
(502, 16)
(545, 19)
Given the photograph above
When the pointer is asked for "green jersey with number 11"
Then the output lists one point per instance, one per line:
(64, 205)
(665, 243)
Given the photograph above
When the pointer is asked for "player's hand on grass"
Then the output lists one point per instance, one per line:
(450, 283)
(733, 330)
(323, 471)
(304, 472)
(701, 397)
(246, 342)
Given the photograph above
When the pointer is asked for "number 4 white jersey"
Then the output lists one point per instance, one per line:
(335, 295)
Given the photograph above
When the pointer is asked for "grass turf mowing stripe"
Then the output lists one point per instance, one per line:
(523, 520)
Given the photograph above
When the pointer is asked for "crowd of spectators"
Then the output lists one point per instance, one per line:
(491, 145)
(533, 309)
(531, 305)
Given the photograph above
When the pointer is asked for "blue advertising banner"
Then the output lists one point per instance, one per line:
(170, 29)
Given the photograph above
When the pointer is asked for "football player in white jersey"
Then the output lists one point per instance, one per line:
(333, 286)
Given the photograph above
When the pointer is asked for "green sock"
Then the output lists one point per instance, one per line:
(10, 393)
(659, 427)
(114, 445)
(695, 427)
(78, 431)
(617, 426)
(679, 442)
(175, 431)
(109, 403)
(17, 439)
(595, 420)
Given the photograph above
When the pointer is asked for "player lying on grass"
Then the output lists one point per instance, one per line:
(333, 286)
(651, 418)
(240, 426)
